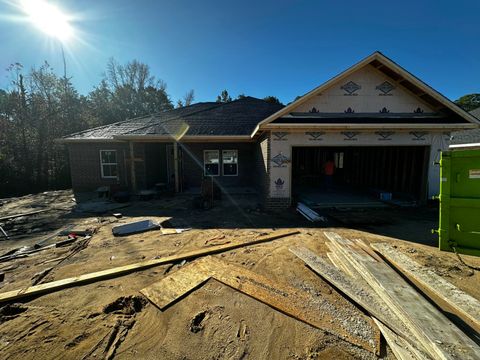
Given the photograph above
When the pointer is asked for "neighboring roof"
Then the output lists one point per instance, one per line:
(394, 71)
(476, 113)
(235, 118)
(467, 136)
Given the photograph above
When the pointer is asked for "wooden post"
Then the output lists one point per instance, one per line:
(175, 166)
(132, 168)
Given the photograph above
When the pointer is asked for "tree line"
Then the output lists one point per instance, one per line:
(39, 107)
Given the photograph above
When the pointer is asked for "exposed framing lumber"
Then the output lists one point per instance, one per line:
(439, 336)
(123, 270)
(462, 304)
(281, 297)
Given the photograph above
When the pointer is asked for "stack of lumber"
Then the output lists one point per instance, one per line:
(412, 326)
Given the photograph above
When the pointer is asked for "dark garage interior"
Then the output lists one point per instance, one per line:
(361, 174)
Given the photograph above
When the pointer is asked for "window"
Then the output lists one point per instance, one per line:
(108, 163)
(230, 162)
(211, 162)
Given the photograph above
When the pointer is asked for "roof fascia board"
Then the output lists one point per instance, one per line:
(369, 126)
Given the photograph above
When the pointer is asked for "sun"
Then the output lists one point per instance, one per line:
(48, 18)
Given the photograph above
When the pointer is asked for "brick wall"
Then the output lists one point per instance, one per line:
(85, 165)
(192, 166)
(253, 166)
(277, 204)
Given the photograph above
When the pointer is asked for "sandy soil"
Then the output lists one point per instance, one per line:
(215, 321)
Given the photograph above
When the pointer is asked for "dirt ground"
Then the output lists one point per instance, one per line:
(213, 322)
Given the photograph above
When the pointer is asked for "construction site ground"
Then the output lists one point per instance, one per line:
(213, 322)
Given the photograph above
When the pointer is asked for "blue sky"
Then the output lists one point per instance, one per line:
(259, 48)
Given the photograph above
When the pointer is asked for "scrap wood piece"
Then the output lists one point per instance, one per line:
(282, 297)
(123, 270)
(401, 348)
(438, 335)
(8, 217)
(178, 284)
(338, 263)
(464, 305)
(171, 231)
(79, 246)
(363, 296)
(4, 233)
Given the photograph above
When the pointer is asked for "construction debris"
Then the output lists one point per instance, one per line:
(8, 217)
(309, 214)
(168, 231)
(433, 333)
(74, 250)
(25, 251)
(99, 207)
(135, 228)
(440, 290)
(282, 297)
(220, 316)
(122, 270)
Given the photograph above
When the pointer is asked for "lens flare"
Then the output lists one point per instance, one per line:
(48, 18)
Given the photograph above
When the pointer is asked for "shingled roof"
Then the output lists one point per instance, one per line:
(235, 118)
(467, 136)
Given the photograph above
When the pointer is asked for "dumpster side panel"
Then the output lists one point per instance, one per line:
(460, 202)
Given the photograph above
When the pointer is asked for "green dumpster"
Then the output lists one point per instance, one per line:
(459, 223)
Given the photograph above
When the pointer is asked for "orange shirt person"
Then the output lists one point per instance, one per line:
(329, 170)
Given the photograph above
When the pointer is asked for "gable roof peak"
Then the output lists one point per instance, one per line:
(383, 63)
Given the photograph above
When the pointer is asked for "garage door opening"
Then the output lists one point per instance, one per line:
(362, 176)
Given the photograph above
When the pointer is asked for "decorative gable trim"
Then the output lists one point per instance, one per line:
(385, 62)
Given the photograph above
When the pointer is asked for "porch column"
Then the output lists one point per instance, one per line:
(132, 167)
(175, 166)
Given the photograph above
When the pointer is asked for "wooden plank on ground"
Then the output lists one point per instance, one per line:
(24, 214)
(439, 336)
(462, 304)
(359, 292)
(178, 284)
(345, 265)
(123, 270)
(282, 297)
(401, 348)
(338, 263)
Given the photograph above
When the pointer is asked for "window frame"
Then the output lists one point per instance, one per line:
(102, 163)
(204, 163)
(223, 168)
